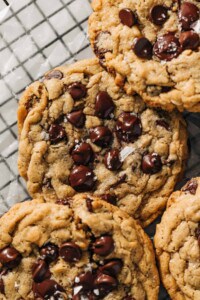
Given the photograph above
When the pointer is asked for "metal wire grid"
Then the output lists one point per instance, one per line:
(35, 36)
(55, 32)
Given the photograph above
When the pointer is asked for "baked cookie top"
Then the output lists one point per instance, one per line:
(84, 249)
(79, 132)
(153, 48)
(177, 242)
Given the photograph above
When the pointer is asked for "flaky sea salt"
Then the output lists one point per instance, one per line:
(125, 152)
(196, 26)
(77, 289)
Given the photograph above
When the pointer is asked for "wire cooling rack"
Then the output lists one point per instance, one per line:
(36, 36)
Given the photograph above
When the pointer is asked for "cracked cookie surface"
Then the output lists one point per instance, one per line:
(79, 132)
(152, 47)
(177, 243)
(84, 249)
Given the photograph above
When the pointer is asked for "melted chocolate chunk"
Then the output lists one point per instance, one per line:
(56, 133)
(40, 271)
(103, 245)
(76, 118)
(143, 48)
(89, 204)
(104, 105)
(188, 14)
(112, 160)
(54, 74)
(128, 127)
(82, 154)
(47, 289)
(70, 252)
(66, 202)
(112, 267)
(189, 40)
(10, 257)
(163, 124)
(101, 136)
(167, 47)
(112, 199)
(159, 14)
(127, 17)
(151, 163)
(191, 187)
(2, 287)
(77, 90)
(82, 179)
(120, 180)
(49, 252)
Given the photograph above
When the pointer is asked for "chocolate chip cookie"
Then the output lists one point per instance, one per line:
(78, 249)
(79, 132)
(177, 242)
(152, 47)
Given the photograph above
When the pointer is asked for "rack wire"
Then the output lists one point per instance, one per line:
(36, 36)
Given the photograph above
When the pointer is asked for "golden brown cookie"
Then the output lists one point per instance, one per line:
(177, 243)
(83, 248)
(152, 47)
(79, 132)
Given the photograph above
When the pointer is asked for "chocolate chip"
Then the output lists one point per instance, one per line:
(103, 245)
(47, 289)
(105, 284)
(197, 233)
(10, 257)
(112, 199)
(82, 154)
(85, 280)
(102, 44)
(189, 40)
(89, 204)
(49, 252)
(56, 133)
(163, 123)
(127, 17)
(188, 14)
(112, 267)
(104, 105)
(70, 252)
(143, 48)
(101, 136)
(191, 187)
(128, 127)
(40, 271)
(77, 90)
(54, 74)
(76, 118)
(112, 160)
(82, 179)
(167, 47)
(159, 14)
(151, 163)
